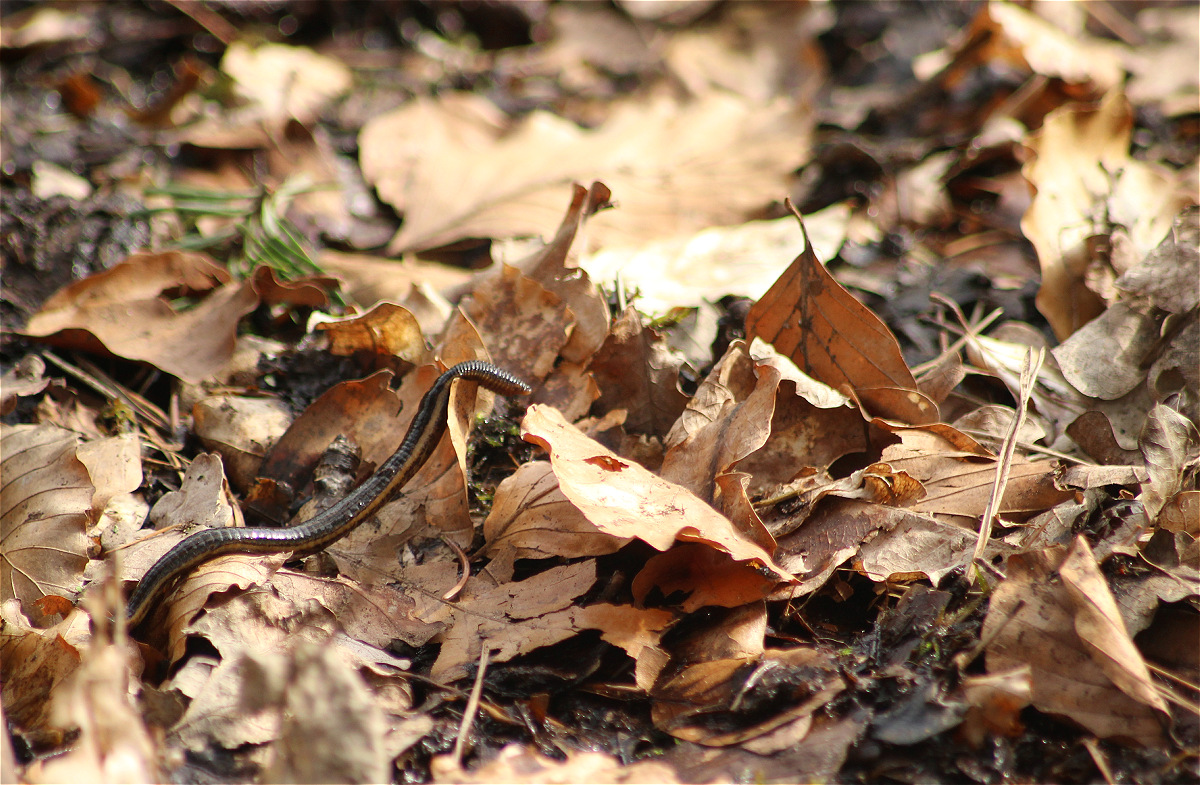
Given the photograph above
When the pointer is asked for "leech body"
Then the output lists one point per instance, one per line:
(424, 433)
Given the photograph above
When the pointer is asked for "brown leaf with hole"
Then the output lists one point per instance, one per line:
(626, 500)
(369, 413)
(366, 411)
(125, 311)
(47, 500)
(1054, 612)
(811, 319)
(434, 502)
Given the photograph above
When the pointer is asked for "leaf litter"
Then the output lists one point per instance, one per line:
(924, 507)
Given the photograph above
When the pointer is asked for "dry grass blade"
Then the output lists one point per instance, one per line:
(1029, 372)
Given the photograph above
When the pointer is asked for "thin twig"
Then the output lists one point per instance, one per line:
(464, 728)
(466, 570)
(106, 386)
(1093, 748)
(1029, 372)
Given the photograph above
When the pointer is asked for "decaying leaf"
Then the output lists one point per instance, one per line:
(625, 500)
(1070, 633)
(742, 539)
(635, 370)
(35, 664)
(1088, 188)
(113, 742)
(124, 311)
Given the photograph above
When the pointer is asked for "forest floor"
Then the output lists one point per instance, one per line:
(864, 347)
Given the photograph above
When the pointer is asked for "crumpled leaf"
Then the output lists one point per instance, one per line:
(113, 743)
(1054, 612)
(34, 663)
(1168, 443)
(124, 310)
(386, 330)
(510, 619)
(626, 500)
(531, 518)
(635, 370)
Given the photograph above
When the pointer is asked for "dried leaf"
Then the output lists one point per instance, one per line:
(333, 727)
(728, 418)
(47, 499)
(550, 267)
(241, 429)
(457, 171)
(1168, 443)
(113, 742)
(636, 371)
(35, 663)
(917, 545)
(114, 466)
(1055, 613)
(1087, 186)
(512, 618)
(523, 324)
(123, 311)
(531, 518)
(1166, 276)
(835, 339)
(385, 331)
(625, 500)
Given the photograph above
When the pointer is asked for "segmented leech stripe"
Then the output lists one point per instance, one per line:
(336, 522)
